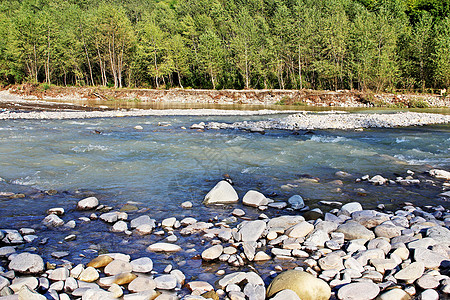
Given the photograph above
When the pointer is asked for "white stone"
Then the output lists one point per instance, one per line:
(27, 263)
(52, 220)
(440, 174)
(164, 247)
(286, 295)
(166, 282)
(254, 199)
(87, 203)
(351, 207)
(142, 265)
(299, 230)
(222, 193)
(251, 230)
(212, 253)
(119, 226)
(296, 202)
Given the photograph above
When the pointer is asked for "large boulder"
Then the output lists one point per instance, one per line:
(221, 193)
(305, 285)
(27, 263)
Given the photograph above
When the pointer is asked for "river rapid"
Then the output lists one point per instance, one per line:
(55, 163)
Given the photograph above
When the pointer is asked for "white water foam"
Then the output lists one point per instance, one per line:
(328, 139)
(90, 147)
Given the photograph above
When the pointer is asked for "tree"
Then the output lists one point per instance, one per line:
(114, 39)
(442, 56)
(211, 54)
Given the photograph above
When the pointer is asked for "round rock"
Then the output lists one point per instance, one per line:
(254, 199)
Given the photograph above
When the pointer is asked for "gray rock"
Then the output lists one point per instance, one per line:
(286, 295)
(238, 212)
(430, 259)
(439, 233)
(87, 203)
(429, 295)
(427, 282)
(277, 205)
(351, 207)
(59, 274)
(388, 231)
(222, 193)
(331, 261)
(26, 293)
(27, 263)
(394, 294)
(411, 272)
(212, 253)
(254, 199)
(300, 230)
(353, 230)
(251, 230)
(255, 291)
(117, 266)
(53, 220)
(364, 290)
(119, 226)
(378, 180)
(249, 250)
(6, 251)
(142, 283)
(143, 220)
(318, 238)
(284, 222)
(440, 174)
(110, 217)
(142, 265)
(380, 243)
(296, 202)
(166, 282)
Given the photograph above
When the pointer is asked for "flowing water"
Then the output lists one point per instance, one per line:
(164, 165)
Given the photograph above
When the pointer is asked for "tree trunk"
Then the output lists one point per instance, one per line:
(300, 68)
(179, 79)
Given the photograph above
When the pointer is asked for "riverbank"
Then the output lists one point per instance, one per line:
(249, 97)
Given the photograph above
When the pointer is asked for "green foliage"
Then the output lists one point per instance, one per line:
(377, 45)
(414, 103)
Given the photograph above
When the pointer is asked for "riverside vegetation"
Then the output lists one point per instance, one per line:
(340, 44)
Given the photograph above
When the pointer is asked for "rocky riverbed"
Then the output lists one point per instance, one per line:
(334, 120)
(338, 251)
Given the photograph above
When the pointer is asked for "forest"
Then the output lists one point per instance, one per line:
(376, 45)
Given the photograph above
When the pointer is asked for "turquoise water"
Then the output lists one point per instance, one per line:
(160, 167)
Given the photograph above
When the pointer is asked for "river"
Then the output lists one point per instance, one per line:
(162, 165)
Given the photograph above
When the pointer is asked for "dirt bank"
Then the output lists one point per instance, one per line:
(254, 97)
